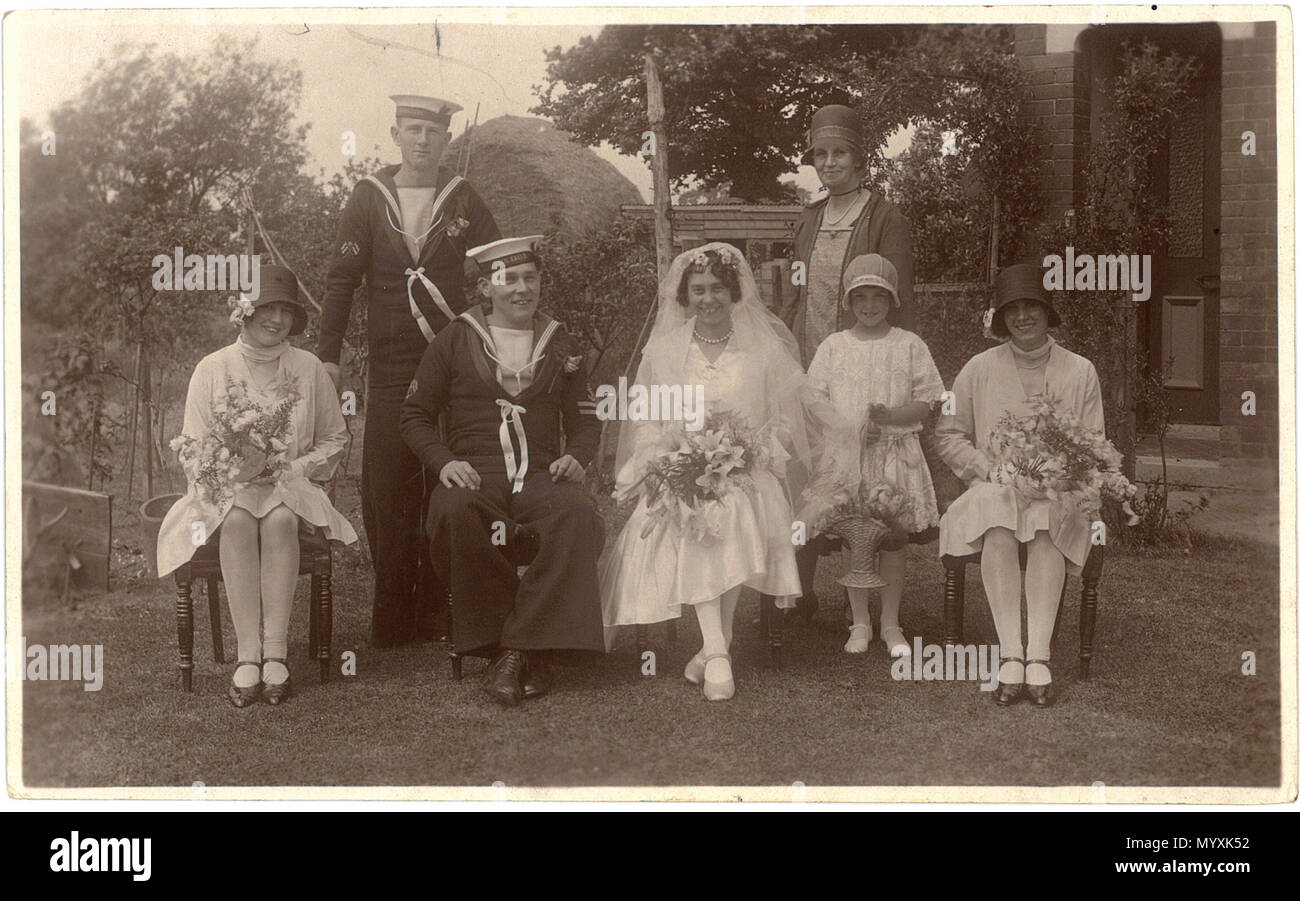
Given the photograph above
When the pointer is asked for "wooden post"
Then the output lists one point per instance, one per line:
(659, 166)
(135, 413)
(993, 241)
(147, 409)
(94, 433)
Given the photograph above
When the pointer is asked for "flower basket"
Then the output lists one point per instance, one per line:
(863, 537)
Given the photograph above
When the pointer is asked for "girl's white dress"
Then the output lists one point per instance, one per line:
(852, 373)
(647, 580)
(316, 441)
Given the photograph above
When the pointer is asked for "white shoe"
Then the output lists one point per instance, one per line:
(898, 646)
(859, 639)
(719, 689)
(694, 672)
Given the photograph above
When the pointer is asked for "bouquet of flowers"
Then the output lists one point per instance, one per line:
(241, 430)
(881, 502)
(692, 471)
(1050, 454)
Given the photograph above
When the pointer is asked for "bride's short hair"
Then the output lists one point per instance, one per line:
(721, 267)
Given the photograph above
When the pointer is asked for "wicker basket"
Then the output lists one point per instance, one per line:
(863, 537)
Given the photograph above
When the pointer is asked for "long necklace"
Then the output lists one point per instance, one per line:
(844, 213)
(723, 340)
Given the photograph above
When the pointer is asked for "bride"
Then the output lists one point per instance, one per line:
(712, 331)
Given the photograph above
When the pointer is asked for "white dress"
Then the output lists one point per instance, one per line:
(895, 369)
(647, 580)
(316, 442)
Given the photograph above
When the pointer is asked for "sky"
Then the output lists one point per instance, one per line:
(347, 72)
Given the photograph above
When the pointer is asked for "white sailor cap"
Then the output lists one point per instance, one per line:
(434, 109)
(507, 252)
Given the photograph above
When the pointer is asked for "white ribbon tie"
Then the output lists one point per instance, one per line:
(510, 416)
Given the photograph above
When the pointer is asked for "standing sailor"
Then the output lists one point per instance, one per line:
(405, 230)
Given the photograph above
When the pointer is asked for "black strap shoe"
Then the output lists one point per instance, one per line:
(1041, 695)
(537, 675)
(243, 696)
(504, 680)
(277, 693)
(1009, 693)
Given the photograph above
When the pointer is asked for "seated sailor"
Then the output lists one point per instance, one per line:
(519, 430)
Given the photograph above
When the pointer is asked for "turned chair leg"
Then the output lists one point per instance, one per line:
(324, 630)
(185, 633)
(313, 620)
(642, 642)
(775, 629)
(1087, 622)
(954, 603)
(214, 620)
(672, 631)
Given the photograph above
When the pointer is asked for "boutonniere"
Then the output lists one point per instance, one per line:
(456, 227)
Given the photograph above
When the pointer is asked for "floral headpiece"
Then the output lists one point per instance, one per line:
(726, 258)
(240, 309)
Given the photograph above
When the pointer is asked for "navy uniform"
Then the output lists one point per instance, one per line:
(510, 413)
(413, 266)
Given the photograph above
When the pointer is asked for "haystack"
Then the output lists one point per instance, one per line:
(536, 180)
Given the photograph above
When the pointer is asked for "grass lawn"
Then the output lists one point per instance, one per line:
(1167, 704)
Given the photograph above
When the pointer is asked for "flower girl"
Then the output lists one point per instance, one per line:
(882, 383)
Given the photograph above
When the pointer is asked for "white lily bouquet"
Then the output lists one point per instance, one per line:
(692, 472)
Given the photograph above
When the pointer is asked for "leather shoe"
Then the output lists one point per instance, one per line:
(537, 675)
(1009, 693)
(243, 696)
(278, 692)
(1041, 695)
(504, 679)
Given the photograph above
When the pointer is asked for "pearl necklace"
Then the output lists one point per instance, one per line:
(723, 340)
(829, 221)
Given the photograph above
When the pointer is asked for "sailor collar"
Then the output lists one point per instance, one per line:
(544, 328)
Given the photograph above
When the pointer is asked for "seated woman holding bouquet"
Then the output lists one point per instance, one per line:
(1007, 502)
(713, 514)
(261, 420)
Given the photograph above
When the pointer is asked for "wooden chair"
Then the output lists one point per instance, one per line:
(954, 600)
(314, 559)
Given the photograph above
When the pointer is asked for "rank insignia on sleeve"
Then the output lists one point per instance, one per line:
(351, 248)
(415, 386)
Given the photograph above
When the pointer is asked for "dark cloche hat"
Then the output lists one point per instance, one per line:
(278, 284)
(839, 122)
(1023, 281)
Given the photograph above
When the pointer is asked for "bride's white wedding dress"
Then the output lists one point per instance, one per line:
(647, 580)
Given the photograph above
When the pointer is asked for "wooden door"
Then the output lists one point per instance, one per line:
(1180, 323)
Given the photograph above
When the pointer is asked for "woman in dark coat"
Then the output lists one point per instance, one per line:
(848, 222)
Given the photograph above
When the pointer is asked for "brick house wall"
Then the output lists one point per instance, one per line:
(1248, 285)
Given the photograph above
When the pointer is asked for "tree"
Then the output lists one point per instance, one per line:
(600, 286)
(737, 97)
(964, 88)
(152, 155)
